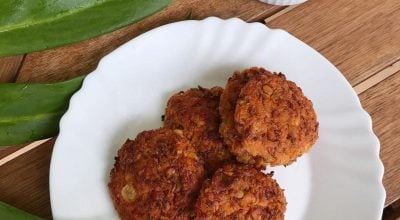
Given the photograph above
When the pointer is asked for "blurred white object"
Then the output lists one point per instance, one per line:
(283, 2)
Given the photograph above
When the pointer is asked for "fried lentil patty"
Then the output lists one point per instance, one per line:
(156, 176)
(195, 111)
(266, 119)
(240, 192)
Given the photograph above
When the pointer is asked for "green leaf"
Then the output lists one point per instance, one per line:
(31, 112)
(11, 213)
(32, 25)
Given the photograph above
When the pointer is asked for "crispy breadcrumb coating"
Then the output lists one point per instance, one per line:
(195, 111)
(266, 119)
(156, 176)
(241, 192)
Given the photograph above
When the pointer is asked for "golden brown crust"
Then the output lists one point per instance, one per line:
(240, 192)
(156, 176)
(228, 102)
(195, 111)
(269, 120)
(276, 121)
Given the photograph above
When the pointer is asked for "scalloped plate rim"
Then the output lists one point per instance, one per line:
(97, 74)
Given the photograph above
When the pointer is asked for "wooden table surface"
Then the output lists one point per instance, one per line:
(362, 38)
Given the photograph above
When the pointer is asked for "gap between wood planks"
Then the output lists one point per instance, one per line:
(377, 77)
(19, 68)
(22, 151)
(279, 13)
(359, 88)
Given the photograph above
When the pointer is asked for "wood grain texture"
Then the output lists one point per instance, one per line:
(359, 37)
(24, 182)
(383, 104)
(281, 12)
(4, 151)
(82, 58)
(17, 151)
(9, 67)
(377, 78)
(392, 212)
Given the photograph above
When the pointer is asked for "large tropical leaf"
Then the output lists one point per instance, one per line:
(32, 25)
(30, 112)
(12, 213)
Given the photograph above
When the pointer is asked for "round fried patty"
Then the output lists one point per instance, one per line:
(195, 111)
(240, 192)
(229, 98)
(156, 176)
(266, 119)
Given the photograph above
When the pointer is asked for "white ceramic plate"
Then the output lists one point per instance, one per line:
(341, 178)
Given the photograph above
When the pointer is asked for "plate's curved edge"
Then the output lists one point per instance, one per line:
(381, 168)
(185, 22)
(87, 80)
(91, 78)
(369, 125)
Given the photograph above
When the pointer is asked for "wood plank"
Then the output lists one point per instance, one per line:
(4, 151)
(82, 58)
(382, 103)
(281, 12)
(377, 78)
(392, 212)
(17, 151)
(359, 37)
(9, 67)
(24, 181)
